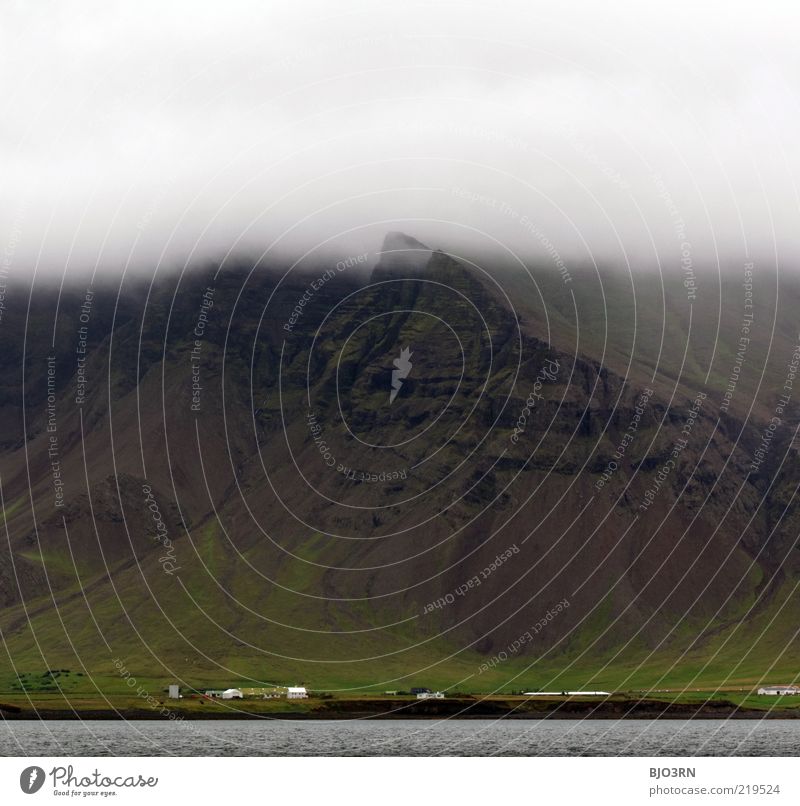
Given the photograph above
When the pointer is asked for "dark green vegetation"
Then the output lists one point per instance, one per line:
(719, 705)
(219, 547)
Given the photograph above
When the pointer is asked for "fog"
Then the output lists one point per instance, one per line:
(140, 133)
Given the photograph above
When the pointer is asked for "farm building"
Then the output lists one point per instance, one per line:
(174, 692)
(779, 690)
(232, 694)
(430, 695)
(296, 693)
(263, 692)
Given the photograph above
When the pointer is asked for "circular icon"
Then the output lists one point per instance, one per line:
(31, 780)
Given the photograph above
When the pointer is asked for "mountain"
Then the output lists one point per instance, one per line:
(443, 471)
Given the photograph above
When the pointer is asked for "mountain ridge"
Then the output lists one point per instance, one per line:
(289, 567)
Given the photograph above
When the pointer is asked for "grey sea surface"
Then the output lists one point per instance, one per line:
(478, 737)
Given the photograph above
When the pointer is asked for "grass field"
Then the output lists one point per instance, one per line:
(621, 704)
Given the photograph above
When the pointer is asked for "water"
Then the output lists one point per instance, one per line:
(477, 737)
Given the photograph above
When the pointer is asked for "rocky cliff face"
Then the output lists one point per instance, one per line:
(322, 475)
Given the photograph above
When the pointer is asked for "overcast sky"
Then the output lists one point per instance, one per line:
(173, 131)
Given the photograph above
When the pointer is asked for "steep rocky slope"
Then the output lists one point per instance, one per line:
(208, 475)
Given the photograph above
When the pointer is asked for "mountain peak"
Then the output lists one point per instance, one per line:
(395, 241)
(402, 256)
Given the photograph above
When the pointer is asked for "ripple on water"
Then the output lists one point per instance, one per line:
(403, 738)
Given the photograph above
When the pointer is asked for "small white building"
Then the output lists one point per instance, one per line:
(296, 693)
(232, 694)
(430, 695)
(174, 692)
(776, 691)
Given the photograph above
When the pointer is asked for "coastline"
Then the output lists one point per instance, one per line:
(611, 709)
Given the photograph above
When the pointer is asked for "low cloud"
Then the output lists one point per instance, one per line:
(137, 134)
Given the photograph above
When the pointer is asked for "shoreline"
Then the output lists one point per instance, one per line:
(393, 710)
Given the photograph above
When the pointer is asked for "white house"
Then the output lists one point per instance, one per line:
(779, 690)
(232, 693)
(174, 692)
(430, 695)
(296, 693)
